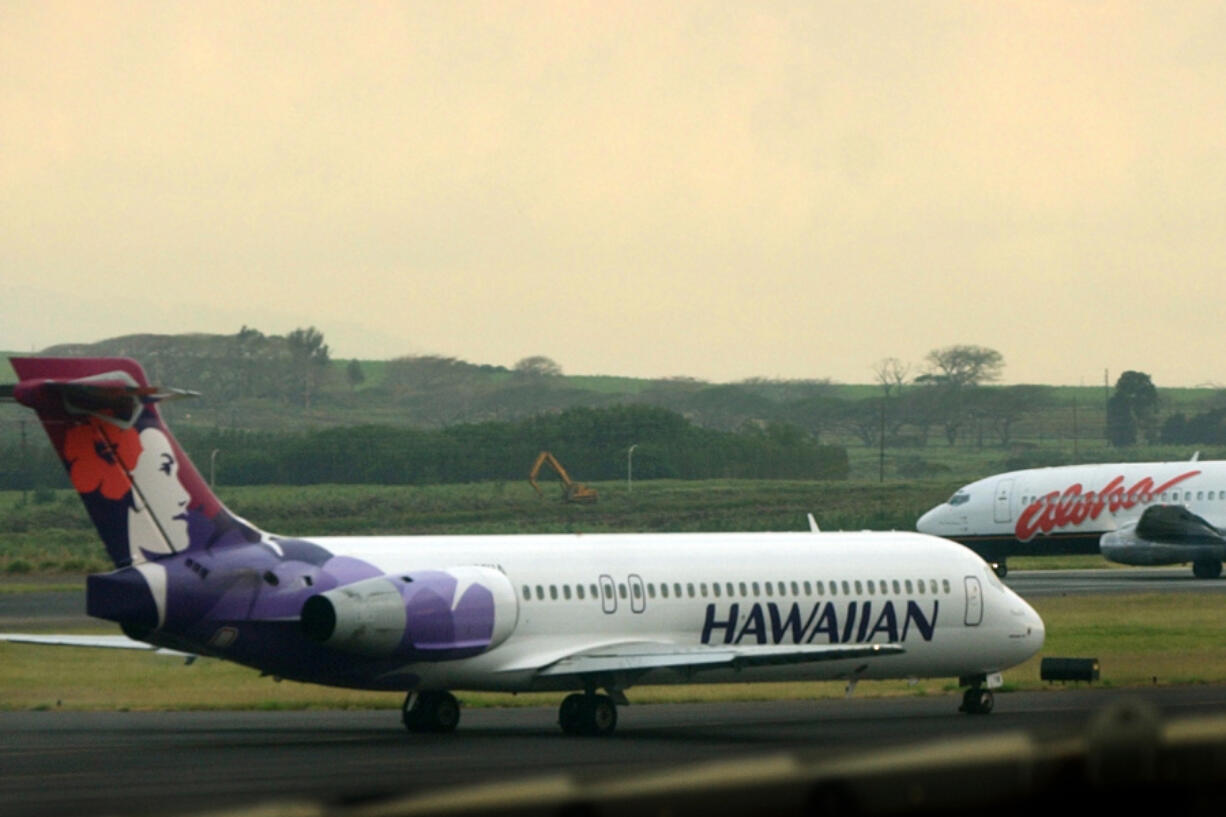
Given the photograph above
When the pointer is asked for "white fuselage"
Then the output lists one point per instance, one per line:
(1042, 510)
(578, 593)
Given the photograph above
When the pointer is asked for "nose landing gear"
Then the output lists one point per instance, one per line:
(977, 701)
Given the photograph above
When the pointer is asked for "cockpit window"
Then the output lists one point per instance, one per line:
(960, 498)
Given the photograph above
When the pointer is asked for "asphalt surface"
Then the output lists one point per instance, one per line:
(59, 763)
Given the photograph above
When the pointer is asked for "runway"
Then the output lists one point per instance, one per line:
(55, 763)
(1179, 579)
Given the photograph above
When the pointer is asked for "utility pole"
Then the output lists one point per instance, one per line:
(630, 468)
(881, 452)
(25, 459)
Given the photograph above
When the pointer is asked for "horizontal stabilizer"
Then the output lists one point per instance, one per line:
(643, 656)
(111, 642)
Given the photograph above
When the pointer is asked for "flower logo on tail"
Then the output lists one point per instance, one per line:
(100, 455)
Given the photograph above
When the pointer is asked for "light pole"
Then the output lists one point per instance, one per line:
(630, 468)
(213, 468)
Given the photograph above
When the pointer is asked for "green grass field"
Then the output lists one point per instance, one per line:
(1164, 639)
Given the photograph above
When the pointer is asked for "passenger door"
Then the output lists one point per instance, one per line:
(974, 602)
(1004, 492)
(608, 594)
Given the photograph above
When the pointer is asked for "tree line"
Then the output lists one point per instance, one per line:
(592, 444)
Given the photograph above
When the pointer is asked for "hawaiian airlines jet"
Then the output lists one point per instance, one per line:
(1139, 513)
(429, 614)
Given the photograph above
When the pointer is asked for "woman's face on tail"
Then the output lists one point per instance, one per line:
(157, 480)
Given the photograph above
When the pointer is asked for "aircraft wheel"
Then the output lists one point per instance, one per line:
(588, 715)
(977, 701)
(1207, 569)
(570, 714)
(599, 715)
(1000, 569)
(430, 712)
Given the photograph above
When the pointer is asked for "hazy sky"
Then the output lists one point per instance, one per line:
(718, 190)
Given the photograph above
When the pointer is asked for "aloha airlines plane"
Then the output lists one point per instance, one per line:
(1139, 513)
(429, 614)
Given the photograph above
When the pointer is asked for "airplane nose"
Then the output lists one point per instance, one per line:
(1036, 631)
(928, 522)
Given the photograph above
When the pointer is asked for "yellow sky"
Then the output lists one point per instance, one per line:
(718, 190)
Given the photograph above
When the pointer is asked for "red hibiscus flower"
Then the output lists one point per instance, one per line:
(100, 455)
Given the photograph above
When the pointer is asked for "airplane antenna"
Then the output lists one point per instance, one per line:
(1195, 457)
(813, 528)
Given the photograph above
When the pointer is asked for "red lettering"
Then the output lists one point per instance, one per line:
(1071, 508)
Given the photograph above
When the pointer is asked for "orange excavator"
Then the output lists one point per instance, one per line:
(571, 491)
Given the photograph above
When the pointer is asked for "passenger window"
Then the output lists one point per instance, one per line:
(897, 589)
(919, 586)
(527, 593)
(872, 587)
(677, 589)
(907, 584)
(540, 593)
(932, 585)
(690, 589)
(664, 590)
(566, 592)
(846, 588)
(834, 588)
(702, 589)
(621, 590)
(594, 590)
(743, 590)
(715, 589)
(553, 592)
(579, 591)
(1164, 496)
(821, 588)
(637, 589)
(770, 589)
(756, 591)
(1200, 494)
(885, 590)
(731, 590)
(651, 590)
(783, 590)
(859, 588)
(945, 586)
(808, 589)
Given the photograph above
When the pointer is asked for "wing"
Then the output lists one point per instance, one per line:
(638, 657)
(112, 642)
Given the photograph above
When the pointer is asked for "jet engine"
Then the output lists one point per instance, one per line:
(428, 615)
(1167, 534)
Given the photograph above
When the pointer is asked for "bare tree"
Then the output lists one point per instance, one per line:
(891, 373)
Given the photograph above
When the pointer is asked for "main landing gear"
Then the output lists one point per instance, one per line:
(586, 713)
(1207, 569)
(430, 712)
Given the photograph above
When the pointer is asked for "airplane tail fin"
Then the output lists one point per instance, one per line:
(143, 494)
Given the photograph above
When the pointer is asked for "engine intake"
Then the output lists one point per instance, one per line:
(429, 615)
